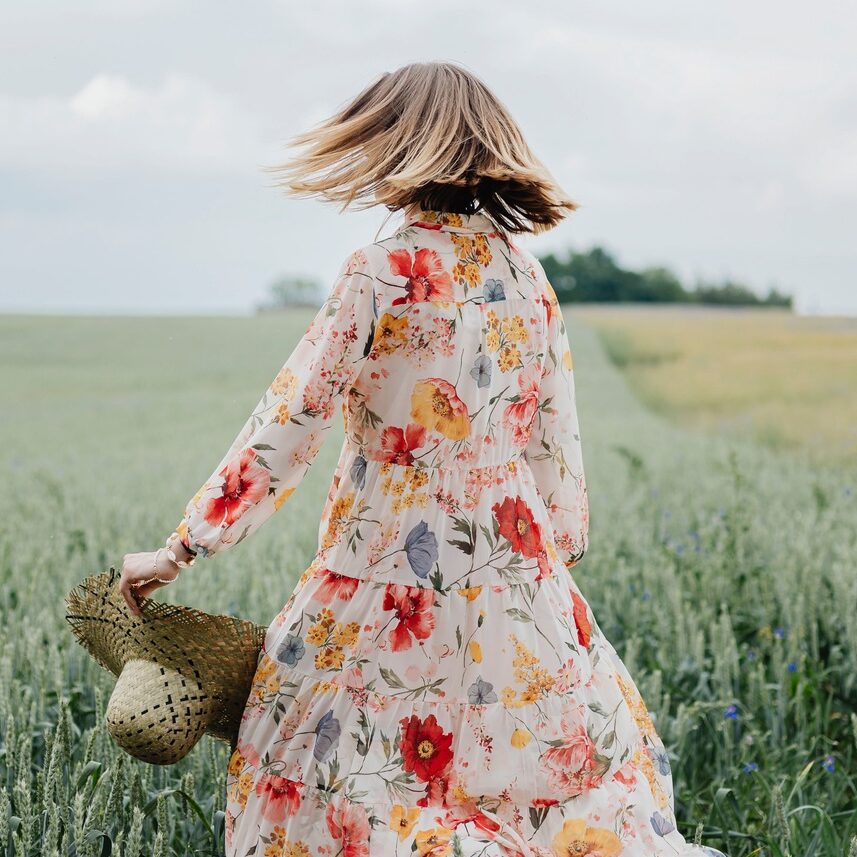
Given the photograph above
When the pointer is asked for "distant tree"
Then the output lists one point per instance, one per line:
(729, 293)
(595, 275)
(292, 291)
(664, 285)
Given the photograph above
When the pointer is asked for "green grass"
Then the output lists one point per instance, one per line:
(714, 565)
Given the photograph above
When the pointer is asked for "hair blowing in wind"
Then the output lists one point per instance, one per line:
(431, 134)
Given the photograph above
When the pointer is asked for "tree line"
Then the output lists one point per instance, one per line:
(595, 275)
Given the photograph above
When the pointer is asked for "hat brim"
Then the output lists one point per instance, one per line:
(221, 652)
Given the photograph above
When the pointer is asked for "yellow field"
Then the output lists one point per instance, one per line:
(790, 381)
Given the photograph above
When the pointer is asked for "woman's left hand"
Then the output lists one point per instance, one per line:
(140, 576)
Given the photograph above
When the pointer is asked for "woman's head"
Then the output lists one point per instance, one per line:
(432, 135)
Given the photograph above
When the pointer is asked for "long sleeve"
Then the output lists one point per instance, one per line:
(281, 437)
(554, 450)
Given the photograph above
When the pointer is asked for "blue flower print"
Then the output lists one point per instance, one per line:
(480, 692)
(493, 290)
(481, 371)
(421, 549)
(327, 733)
(291, 650)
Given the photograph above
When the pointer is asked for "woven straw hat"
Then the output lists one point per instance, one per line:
(181, 672)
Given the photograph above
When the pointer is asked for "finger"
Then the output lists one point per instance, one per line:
(125, 591)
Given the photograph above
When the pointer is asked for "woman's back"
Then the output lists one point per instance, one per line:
(454, 406)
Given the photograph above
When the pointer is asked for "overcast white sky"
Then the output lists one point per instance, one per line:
(717, 138)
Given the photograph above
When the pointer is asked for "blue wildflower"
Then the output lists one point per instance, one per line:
(780, 633)
(480, 692)
(421, 549)
(792, 667)
(829, 764)
(731, 712)
(749, 767)
(327, 733)
(291, 650)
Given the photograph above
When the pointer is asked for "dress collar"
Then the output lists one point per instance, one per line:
(449, 221)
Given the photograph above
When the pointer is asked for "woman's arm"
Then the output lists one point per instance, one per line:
(554, 450)
(277, 444)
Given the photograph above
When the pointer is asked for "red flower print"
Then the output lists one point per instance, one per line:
(245, 484)
(464, 815)
(519, 415)
(581, 619)
(398, 445)
(548, 307)
(334, 585)
(413, 606)
(425, 748)
(279, 796)
(519, 526)
(572, 767)
(348, 821)
(427, 280)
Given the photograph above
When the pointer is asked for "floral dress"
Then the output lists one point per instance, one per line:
(436, 684)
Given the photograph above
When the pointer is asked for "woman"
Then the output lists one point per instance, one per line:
(436, 683)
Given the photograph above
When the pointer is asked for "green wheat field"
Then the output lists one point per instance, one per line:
(721, 566)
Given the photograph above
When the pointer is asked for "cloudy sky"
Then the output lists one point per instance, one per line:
(719, 138)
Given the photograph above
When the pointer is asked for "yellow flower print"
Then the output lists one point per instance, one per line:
(281, 498)
(283, 414)
(296, 849)
(236, 763)
(329, 659)
(577, 839)
(402, 820)
(538, 680)
(471, 593)
(520, 738)
(434, 841)
(482, 250)
(463, 245)
(278, 841)
(337, 520)
(316, 635)
(492, 341)
(245, 785)
(646, 765)
(510, 358)
(345, 635)
(435, 406)
(637, 707)
(476, 651)
(390, 333)
(266, 668)
(472, 275)
(566, 359)
(285, 383)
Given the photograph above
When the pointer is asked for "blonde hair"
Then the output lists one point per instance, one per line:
(428, 134)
